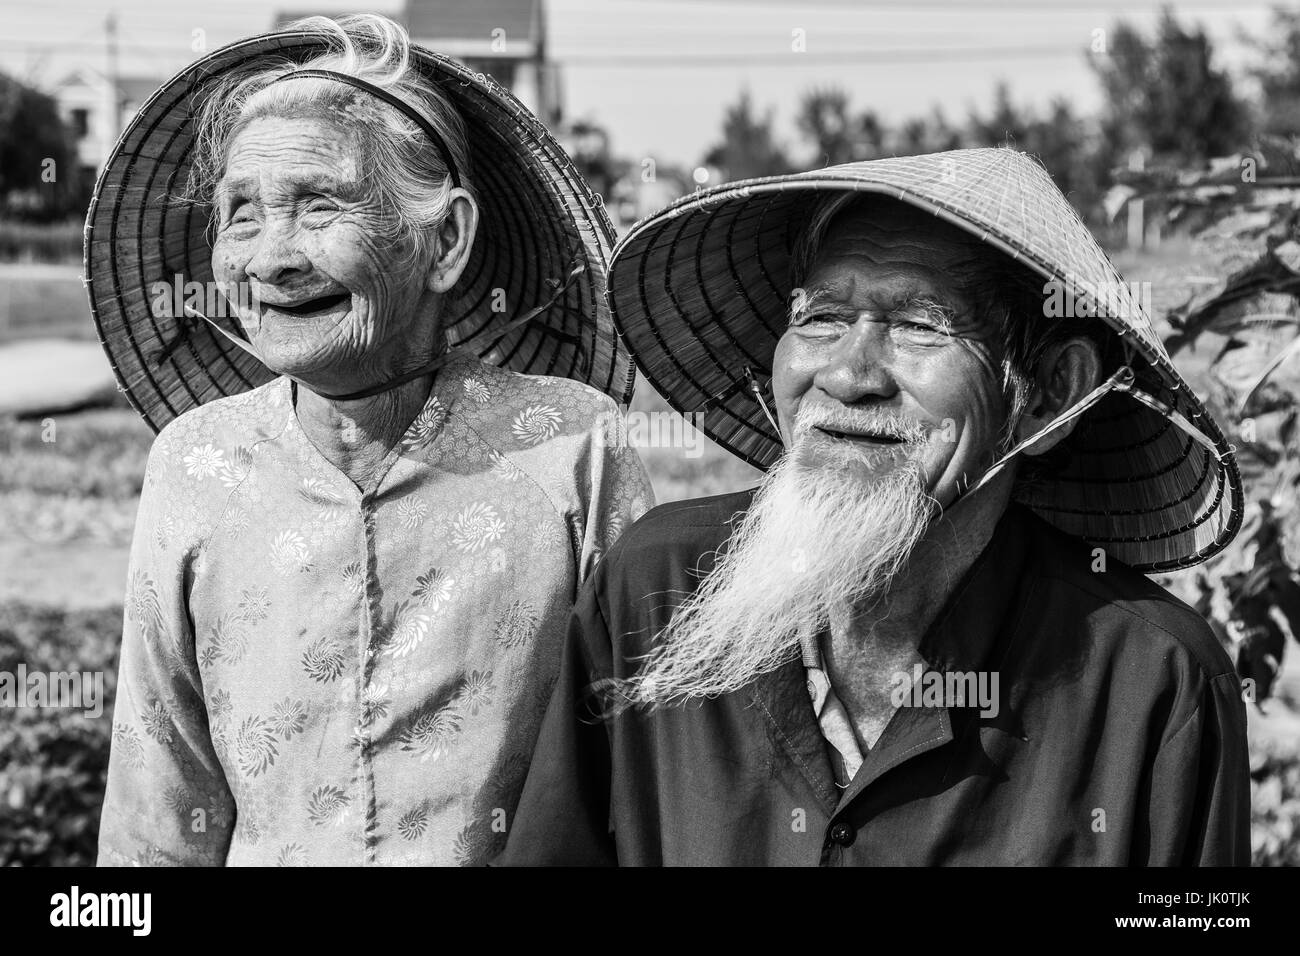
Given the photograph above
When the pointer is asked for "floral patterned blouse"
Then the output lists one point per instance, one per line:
(314, 675)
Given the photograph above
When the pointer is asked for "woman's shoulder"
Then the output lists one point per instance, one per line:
(518, 413)
(549, 428)
(207, 435)
(505, 389)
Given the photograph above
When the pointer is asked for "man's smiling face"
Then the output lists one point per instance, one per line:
(887, 358)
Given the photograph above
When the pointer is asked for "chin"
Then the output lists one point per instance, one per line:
(292, 358)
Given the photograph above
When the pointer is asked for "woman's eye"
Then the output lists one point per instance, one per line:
(242, 216)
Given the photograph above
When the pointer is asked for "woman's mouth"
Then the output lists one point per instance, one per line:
(310, 307)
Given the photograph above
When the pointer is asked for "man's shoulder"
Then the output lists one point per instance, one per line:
(683, 526)
(1121, 601)
(669, 548)
(659, 562)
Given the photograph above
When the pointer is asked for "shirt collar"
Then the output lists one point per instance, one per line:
(961, 638)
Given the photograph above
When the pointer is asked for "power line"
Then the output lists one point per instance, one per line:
(1027, 6)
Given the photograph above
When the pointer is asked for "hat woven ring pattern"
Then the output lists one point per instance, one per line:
(543, 240)
(701, 294)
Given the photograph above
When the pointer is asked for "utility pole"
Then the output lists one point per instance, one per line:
(1136, 219)
(114, 86)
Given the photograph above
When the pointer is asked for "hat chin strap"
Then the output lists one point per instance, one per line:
(1121, 381)
(480, 342)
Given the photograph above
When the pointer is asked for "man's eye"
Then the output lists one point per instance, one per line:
(809, 318)
(924, 328)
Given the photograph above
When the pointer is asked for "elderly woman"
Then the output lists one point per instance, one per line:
(349, 584)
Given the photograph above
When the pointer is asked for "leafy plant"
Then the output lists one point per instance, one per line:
(53, 762)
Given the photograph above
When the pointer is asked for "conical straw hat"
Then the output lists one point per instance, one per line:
(701, 293)
(539, 223)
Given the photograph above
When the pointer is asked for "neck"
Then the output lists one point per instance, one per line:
(880, 637)
(356, 436)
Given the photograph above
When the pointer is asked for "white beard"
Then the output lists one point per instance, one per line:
(819, 538)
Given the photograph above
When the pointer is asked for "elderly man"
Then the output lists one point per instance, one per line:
(924, 639)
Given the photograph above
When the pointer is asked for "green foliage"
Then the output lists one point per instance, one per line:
(31, 138)
(588, 147)
(1069, 146)
(748, 148)
(53, 762)
(1278, 74)
(100, 454)
(1275, 809)
(837, 135)
(1165, 93)
(41, 242)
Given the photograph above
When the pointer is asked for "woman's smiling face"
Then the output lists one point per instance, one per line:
(332, 303)
(888, 359)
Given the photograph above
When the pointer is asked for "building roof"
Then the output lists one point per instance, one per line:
(285, 17)
(137, 89)
(437, 21)
(130, 89)
(459, 28)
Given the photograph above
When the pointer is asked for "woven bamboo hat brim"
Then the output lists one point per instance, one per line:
(701, 292)
(538, 222)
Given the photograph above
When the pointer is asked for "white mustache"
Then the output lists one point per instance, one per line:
(843, 419)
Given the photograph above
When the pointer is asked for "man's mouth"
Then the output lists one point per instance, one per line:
(863, 435)
(309, 307)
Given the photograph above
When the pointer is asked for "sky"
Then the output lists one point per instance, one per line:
(658, 74)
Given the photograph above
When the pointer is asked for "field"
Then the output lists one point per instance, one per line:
(66, 513)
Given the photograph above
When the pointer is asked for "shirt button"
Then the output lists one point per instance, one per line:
(844, 834)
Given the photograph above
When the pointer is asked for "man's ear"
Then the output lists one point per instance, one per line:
(1067, 372)
(455, 240)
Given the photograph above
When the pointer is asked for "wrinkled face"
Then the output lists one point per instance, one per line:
(885, 359)
(295, 222)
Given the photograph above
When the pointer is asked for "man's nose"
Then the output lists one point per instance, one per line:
(279, 254)
(857, 368)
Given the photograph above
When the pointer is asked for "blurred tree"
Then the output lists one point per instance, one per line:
(588, 145)
(913, 137)
(871, 136)
(1278, 73)
(1166, 94)
(1006, 125)
(1077, 158)
(823, 117)
(38, 176)
(1066, 144)
(748, 148)
(941, 135)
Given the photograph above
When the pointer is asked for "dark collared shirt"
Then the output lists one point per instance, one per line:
(1119, 737)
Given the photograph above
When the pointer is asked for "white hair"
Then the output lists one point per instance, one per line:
(406, 172)
(818, 539)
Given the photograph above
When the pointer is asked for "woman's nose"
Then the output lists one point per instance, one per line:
(278, 255)
(857, 368)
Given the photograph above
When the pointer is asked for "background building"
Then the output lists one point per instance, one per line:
(97, 110)
(503, 38)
